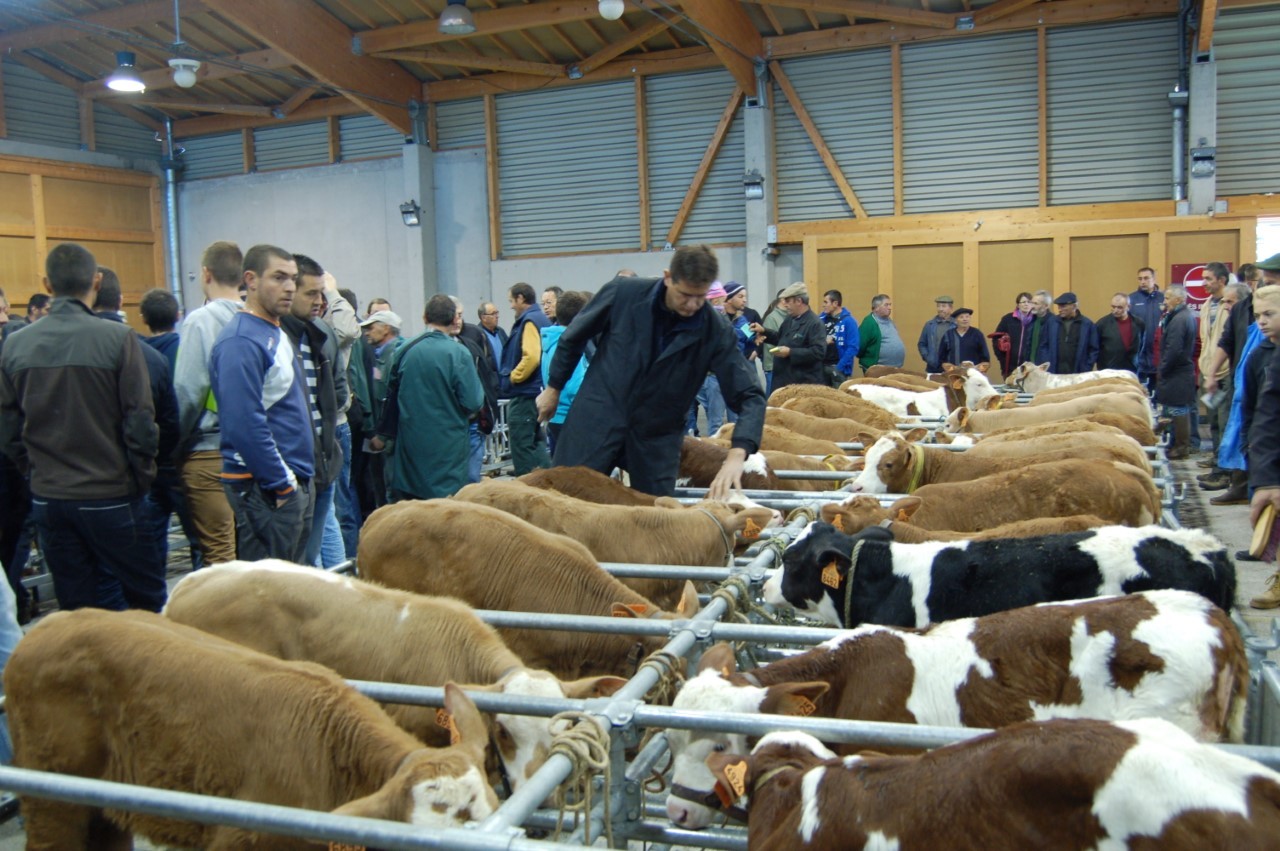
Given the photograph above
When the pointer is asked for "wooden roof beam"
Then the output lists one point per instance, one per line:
(613, 51)
(119, 18)
(320, 43)
(704, 168)
(1000, 9)
(468, 60)
(874, 11)
(731, 36)
(309, 111)
(819, 144)
(1208, 15)
(488, 22)
(162, 78)
(196, 106)
(64, 79)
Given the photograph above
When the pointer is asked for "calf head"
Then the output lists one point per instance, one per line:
(957, 421)
(859, 512)
(740, 519)
(976, 386)
(889, 465)
(437, 787)
(740, 777)
(523, 742)
(686, 608)
(815, 569)
(715, 689)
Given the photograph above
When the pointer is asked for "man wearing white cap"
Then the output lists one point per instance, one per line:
(382, 335)
(799, 344)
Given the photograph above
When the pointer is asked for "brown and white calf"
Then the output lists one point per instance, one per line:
(133, 697)
(367, 632)
(1157, 654)
(858, 513)
(894, 465)
(1047, 784)
(704, 534)
(490, 559)
(1033, 378)
(981, 422)
(1137, 428)
(835, 429)
(591, 485)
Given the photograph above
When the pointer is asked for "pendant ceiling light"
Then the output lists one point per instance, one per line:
(457, 19)
(125, 78)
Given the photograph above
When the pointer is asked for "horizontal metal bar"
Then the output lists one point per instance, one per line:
(265, 818)
(627, 570)
(709, 630)
(816, 475)
(649, 832)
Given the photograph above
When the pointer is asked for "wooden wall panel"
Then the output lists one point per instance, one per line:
(1105, 265)
(95, 206)
(18, 271)
(1006, 269)
(133, 263)
(921, 273)
(852, 271)
(1223, 246)
(15, 189)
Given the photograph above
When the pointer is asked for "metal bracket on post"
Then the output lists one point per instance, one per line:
(418, 116)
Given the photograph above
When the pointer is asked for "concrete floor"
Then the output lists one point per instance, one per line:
(1228, 523)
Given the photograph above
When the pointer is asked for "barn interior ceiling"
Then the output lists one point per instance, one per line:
(268, 61)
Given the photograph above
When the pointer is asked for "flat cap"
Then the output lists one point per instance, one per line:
(944, 299)
(1066, 298)
(796, 289)
(384, 316)
(960, 311)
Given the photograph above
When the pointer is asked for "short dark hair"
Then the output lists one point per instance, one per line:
(440, 310)
(350, 296)
(224, 261)
(1218, 270)
(257, 258)
(559, 292)
(39, 301)
(1148, 269)
(70, 269)
(1021, 296)
(378, 300)
(568, 305)
(523, 292)
(836, 296)
(109, 295)
(307, 266)
(1249, 272)
(159, 309)
(695, 264)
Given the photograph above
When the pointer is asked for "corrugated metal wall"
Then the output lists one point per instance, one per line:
(970, 111)
(362, 137)
(1244, 43)
(213, 156)
(291, 146)
(567, 170)
(693, 103)
(850, 99)
(115, 134)
(38, 110)
(460, 124)
(1109, 120)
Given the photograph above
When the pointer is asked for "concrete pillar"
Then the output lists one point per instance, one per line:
(1202, 136)
(420, 278)
(758, 157)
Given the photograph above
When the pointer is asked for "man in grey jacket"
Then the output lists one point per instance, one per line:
(198, 430)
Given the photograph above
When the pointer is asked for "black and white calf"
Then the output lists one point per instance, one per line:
(846, 580)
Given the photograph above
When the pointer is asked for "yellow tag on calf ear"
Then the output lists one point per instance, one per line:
(838, 522)
(750, 531)
(804, 706)
(831, 575)
(445, 720)
(903, 517)
(736, 774)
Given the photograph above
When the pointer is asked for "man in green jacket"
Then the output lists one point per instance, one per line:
(382, 338)
(436, 391)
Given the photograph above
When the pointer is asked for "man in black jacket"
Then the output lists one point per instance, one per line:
(657, 338)
(1120, 336)
(799, 343)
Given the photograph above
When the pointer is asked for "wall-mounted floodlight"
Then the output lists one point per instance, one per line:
(411, 213)
(753, 185)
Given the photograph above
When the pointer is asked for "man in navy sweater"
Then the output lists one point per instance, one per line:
(268, 443)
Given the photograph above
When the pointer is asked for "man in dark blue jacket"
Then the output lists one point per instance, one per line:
(1147, 303)
(1072, 339)
(657, 338)
(521, 377)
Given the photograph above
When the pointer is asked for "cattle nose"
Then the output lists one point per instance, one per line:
(677, 811)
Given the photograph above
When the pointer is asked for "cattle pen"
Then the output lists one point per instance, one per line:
(609, 795)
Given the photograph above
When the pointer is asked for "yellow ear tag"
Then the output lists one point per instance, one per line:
(736, 774)
(804, 706)
(831, 575)
(903, 517)
(640, 610)
(750, 531)
(838, 522)
(724, 671)
(444, 719)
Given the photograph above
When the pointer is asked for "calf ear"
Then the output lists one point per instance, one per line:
(733, 775)
(589, 687)
(793, 698)
(866, 438)
(719, 657)
(853, 392)
(630, 610)
(943, 437)
(905, 508)
(1044, 367)
(993, 403)
(689, 604)
(916, 435)
(963, 414)
(667, 502)
(467, 720)
(836, 516)
(955, 379)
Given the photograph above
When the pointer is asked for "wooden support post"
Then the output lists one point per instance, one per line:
(491, 168)
(704, 168)
(250, 159)
(642, 147)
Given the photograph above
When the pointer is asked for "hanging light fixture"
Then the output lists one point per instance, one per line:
(184, 72)
(457, 19)
(611, 10)
(125, 78)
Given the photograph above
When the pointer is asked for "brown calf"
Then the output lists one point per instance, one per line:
(133, 697)
(982, 422)
(1139, 429)
(586, 483)
(776, 438)
(850, 406)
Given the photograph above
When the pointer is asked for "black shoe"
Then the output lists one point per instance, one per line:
(1245, 555)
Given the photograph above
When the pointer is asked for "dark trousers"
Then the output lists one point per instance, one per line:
(528, 451)
(167, 497)
(833, 376)
(267, 527)
(101, 552)
(15, 507)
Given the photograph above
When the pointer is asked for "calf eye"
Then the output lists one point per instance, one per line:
(720, 747)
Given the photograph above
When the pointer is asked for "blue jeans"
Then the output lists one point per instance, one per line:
(476, 460)
(320, 513)
(712, 401)
(93, 546)
(346, 504)
(10, 634)
(332, 551)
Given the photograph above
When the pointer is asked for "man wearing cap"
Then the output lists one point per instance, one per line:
(842, 339)
(879, 340)
(1072, 340)
(799, 344)
(382, 336)
(934, 330)
(656, 339)
(1147, 304)
(964, 343)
